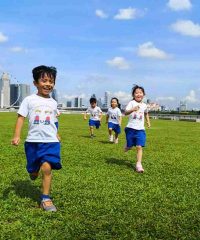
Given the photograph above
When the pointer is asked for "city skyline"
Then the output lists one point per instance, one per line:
(99, 46)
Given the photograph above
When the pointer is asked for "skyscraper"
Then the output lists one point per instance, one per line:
(18, 92)
(78, 102)
(5, 90)
(106, 99)
(54, 95)
(69, 104)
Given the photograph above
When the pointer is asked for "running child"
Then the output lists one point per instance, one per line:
(95, 116)
(42, 146)
(135, 130)
(114, 120)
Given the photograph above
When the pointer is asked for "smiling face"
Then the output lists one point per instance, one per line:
(114, 103)
(45, 85)
(138, 95)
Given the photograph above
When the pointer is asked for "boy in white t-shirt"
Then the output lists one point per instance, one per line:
(135, 130)
(114, 120)
(95, 116)
(42, 146)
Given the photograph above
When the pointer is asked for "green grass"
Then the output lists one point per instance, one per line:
(98, 194)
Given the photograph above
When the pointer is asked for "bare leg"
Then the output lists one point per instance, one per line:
(110, 131)
(110, 135)
(139, 167)
(91, 130)
(46, 178)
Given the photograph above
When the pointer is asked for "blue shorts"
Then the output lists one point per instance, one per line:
(94, 123)
(115, 127)
(135, 137)
(38, 153)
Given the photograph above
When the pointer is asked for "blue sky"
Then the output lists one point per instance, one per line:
(100, 45)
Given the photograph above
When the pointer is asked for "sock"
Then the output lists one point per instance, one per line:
(43, 196)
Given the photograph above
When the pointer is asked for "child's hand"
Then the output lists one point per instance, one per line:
(15, 141)
(148, 125)
(135, 109)
(58, 137)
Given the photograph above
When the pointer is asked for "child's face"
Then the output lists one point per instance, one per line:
(138, 95)
(93, 104)
(114, 103)
(45, 85)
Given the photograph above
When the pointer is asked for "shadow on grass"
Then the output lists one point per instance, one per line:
(120, 162)
(23, 189)
(105, 142)
(85, 136)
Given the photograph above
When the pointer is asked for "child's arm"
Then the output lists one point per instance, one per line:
(147, 120)
(120, 120)
(135, 109)
(18, 127)
(100, 116)
(107, 117)
(85, 116)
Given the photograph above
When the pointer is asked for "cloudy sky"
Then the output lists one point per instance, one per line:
(106, 45)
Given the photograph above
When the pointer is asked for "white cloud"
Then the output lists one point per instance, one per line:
(18, 49)
(178, 5)
(126, 14)
(186, 27)
(119, 62)
(148, 50)
(101, 14)
(192, 97)
(123, 97)
(3, 38)
(170, 98)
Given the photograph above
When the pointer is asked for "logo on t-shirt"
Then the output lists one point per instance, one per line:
(42, 116)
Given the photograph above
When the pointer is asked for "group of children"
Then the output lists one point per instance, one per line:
(42, 145)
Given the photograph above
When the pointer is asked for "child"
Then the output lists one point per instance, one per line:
(135, 133)
(42, 146)
(114, 120)
(95, 116)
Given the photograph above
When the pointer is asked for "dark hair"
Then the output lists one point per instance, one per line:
(40, 71)
(93, 100)
(135, 87)
(117, 100)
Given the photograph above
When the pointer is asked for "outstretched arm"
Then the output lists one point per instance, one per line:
(18, 127)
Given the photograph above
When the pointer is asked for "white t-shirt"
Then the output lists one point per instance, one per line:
(94, 113)
(41, 113)
(136, 118)
(114, 115)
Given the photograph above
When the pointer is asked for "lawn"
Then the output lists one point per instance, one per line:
(98, 194)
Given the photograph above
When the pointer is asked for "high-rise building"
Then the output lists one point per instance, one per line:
(93, 96)
(106, 99)
(54, 95)
(99, 102)
(5, 90)
(78, 102)
(183, 106)
(69, 104)
(18, 92)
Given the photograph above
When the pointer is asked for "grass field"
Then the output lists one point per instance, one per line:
(98, 194)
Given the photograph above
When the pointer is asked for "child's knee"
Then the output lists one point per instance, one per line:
(46, 168)
(139, 148)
